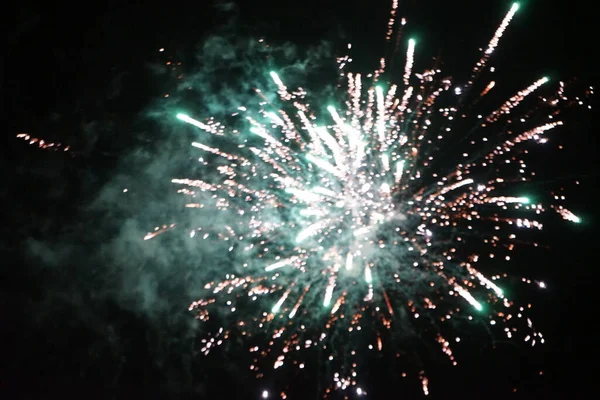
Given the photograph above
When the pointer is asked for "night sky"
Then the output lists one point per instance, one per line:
(89, 309)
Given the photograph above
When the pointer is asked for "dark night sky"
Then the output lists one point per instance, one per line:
(77, 318)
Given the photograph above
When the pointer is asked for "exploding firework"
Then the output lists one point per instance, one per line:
(360, 216)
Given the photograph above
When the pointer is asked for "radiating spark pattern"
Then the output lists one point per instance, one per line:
(350, 217)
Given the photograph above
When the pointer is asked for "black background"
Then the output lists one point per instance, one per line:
(82, 75)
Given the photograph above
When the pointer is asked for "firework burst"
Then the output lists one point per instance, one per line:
(362, 211)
